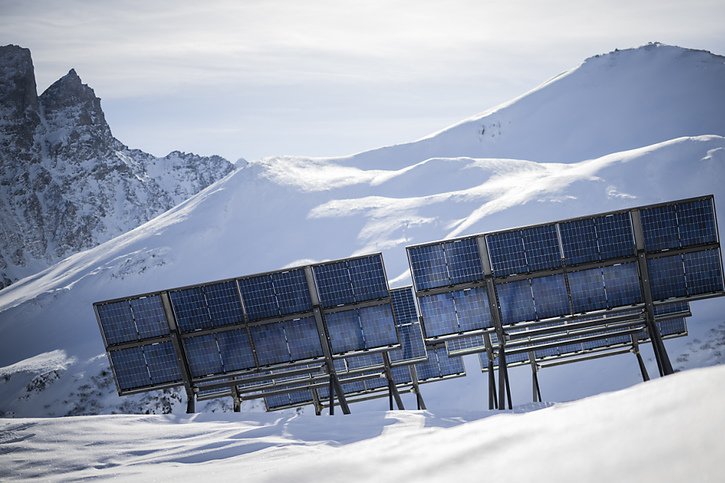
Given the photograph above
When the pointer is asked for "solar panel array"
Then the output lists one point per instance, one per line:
(248, 324)
(566, 268)
(554, 290)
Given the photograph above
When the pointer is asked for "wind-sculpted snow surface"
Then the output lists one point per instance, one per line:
(283, 211)
(669, 430)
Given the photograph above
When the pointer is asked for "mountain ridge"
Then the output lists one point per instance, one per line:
(66, 183)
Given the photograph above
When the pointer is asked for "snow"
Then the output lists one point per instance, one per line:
(283, 211)
(666, 430)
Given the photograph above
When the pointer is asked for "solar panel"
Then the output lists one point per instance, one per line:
(286, 341)
(219, 353)
(446, 263)
(351, 281)
(679, 224)
(132, 320)
(455, 312)
(145, 366)
(207, 306)
(410, 335)
(275, 294)
(361, 329)
(524, 251)
(439, 365)
(602, 272)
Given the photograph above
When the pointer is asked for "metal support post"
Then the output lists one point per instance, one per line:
(663, 361)
(642, 367)
(237, 399)
(190, 401)
(335, 387)
(392, 388)
(503, 382)
(316, 402)
(534, 378)
(179, 349)
(416, 388)
(492, 402)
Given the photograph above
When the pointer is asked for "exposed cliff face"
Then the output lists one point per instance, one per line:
(66, 184)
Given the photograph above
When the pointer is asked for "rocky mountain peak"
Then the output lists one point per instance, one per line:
(66, 184)
(18, 101)
(77, 127)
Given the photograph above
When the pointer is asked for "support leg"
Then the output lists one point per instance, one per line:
(534, 378)
(190, 401)
(237, 400)
(416, 388)
(640, 361)
(392, 388)
(502, 377)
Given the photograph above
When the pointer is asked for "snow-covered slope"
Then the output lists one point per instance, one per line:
(66, 184)
(282, 211)
(668, 430)
(614, 102)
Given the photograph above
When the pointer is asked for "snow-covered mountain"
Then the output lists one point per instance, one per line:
(66, 184)
(282, 211)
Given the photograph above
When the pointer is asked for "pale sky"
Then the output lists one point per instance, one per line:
(259, 78)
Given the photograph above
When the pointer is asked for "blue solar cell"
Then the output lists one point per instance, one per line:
(597, 238)
(117, 322)
(130, 368)
(345, 332)
(622, 285)
(439, 364)
(472, 309)
(542, 247)
(679, 225)
(235, 350)
(516, 302)
(579, 240)
(507, 253)
(378, 326)
(207, 306)
(359, 361)
(587, 290)
(145, 366)
(428, 266)
(368, 278)
(270, 343)
(350, 281)
(275, 294)
(439, 314)
(401, 375)
(663, 310)
(464, 260)
(454, 312)
(672, 327)
(404, 305)
(162, 363)
(524, 251)
(703, 272)
(223, 302)
(291, 398)
(696, 220)
(659, 225)
(412, 346)
(467, 343)
(667, 277)
(615, 236)
(149, 316)
(303, 339)
(550, 296)
(190, 309)
(203, 355)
